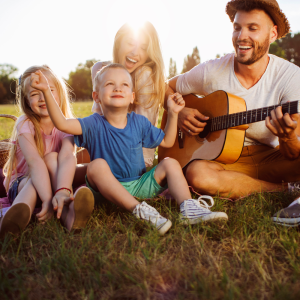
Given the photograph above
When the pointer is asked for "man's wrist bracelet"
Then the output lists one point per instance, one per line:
(62, 189)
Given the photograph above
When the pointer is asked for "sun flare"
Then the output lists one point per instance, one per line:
(136, 13)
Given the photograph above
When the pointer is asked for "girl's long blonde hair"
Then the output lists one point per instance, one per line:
(155, 62)
(23, 106)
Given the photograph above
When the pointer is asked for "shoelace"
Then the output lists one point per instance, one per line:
(297, 186)
(201, 203)
(147, 207)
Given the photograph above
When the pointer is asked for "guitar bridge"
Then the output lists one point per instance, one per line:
(181, 138)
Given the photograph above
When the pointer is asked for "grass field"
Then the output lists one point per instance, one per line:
(81, 109)
(118, 257)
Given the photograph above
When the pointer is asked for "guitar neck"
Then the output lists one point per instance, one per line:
(250, 116)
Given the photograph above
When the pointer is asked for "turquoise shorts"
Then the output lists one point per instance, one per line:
(144, 187)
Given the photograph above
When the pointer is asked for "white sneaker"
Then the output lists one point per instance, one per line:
(149, 214)
(296, 201)
(194, 211)
(289, 216)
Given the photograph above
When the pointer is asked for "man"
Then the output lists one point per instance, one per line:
(271, 150)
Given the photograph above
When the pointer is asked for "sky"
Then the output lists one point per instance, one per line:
(64, 33)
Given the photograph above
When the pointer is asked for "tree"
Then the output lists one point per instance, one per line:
(291, 46)
(80, 80)
(7, 70)
(288, 48)
(3, 91)
(277, 50)
(191, 61)
(7, 82)
(172, 68)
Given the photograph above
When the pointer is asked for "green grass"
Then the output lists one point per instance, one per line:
(6, 125)
(81, 109)
(119, 257)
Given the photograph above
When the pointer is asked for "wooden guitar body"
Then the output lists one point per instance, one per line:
(223, 145)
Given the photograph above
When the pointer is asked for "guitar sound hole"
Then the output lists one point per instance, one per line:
(203, 134)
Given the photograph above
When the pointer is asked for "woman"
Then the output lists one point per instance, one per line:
(139, 51)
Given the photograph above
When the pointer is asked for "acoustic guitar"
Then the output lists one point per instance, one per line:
(223, 136)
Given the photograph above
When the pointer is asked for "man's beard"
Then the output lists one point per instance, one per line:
(257, 53)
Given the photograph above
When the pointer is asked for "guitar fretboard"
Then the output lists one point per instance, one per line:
(250, 116)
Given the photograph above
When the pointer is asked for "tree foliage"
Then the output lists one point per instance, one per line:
(80, 80)
(277, 50)
(7, 82)
(288, 48)
(172, 68)
(191, 61)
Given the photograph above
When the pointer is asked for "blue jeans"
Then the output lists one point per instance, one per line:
(13, 192)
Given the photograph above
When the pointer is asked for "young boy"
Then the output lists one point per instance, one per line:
(114, 141)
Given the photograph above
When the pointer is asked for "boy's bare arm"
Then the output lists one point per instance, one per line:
(72, 126)
(170, 89)
(175, 105)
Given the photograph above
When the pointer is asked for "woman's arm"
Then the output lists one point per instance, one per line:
(65, 174)
(97, 67)
(38, 173)
(72, 126)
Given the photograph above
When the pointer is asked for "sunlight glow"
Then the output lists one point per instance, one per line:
(136, 24)
(136, 13)
(83, 30)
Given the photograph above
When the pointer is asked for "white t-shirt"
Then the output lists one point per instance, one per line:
(279, 84)
(146, 82)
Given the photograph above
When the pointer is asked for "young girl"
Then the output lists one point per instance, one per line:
(41, 165)
(138, 50)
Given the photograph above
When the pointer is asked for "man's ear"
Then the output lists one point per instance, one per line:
(95, 96)
(133, 96)
(273, 34)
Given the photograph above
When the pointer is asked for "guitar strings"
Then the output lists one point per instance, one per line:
(246, 117)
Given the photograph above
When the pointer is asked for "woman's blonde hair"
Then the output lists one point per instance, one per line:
(24, 107)
(155, 62)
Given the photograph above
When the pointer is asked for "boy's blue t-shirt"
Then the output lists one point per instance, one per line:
(121, 148)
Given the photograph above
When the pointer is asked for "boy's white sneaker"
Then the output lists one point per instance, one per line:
(194, 211)
(149, 214)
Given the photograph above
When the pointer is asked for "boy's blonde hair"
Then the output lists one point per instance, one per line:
(23, 106)
(155, 62)
(97, 79)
